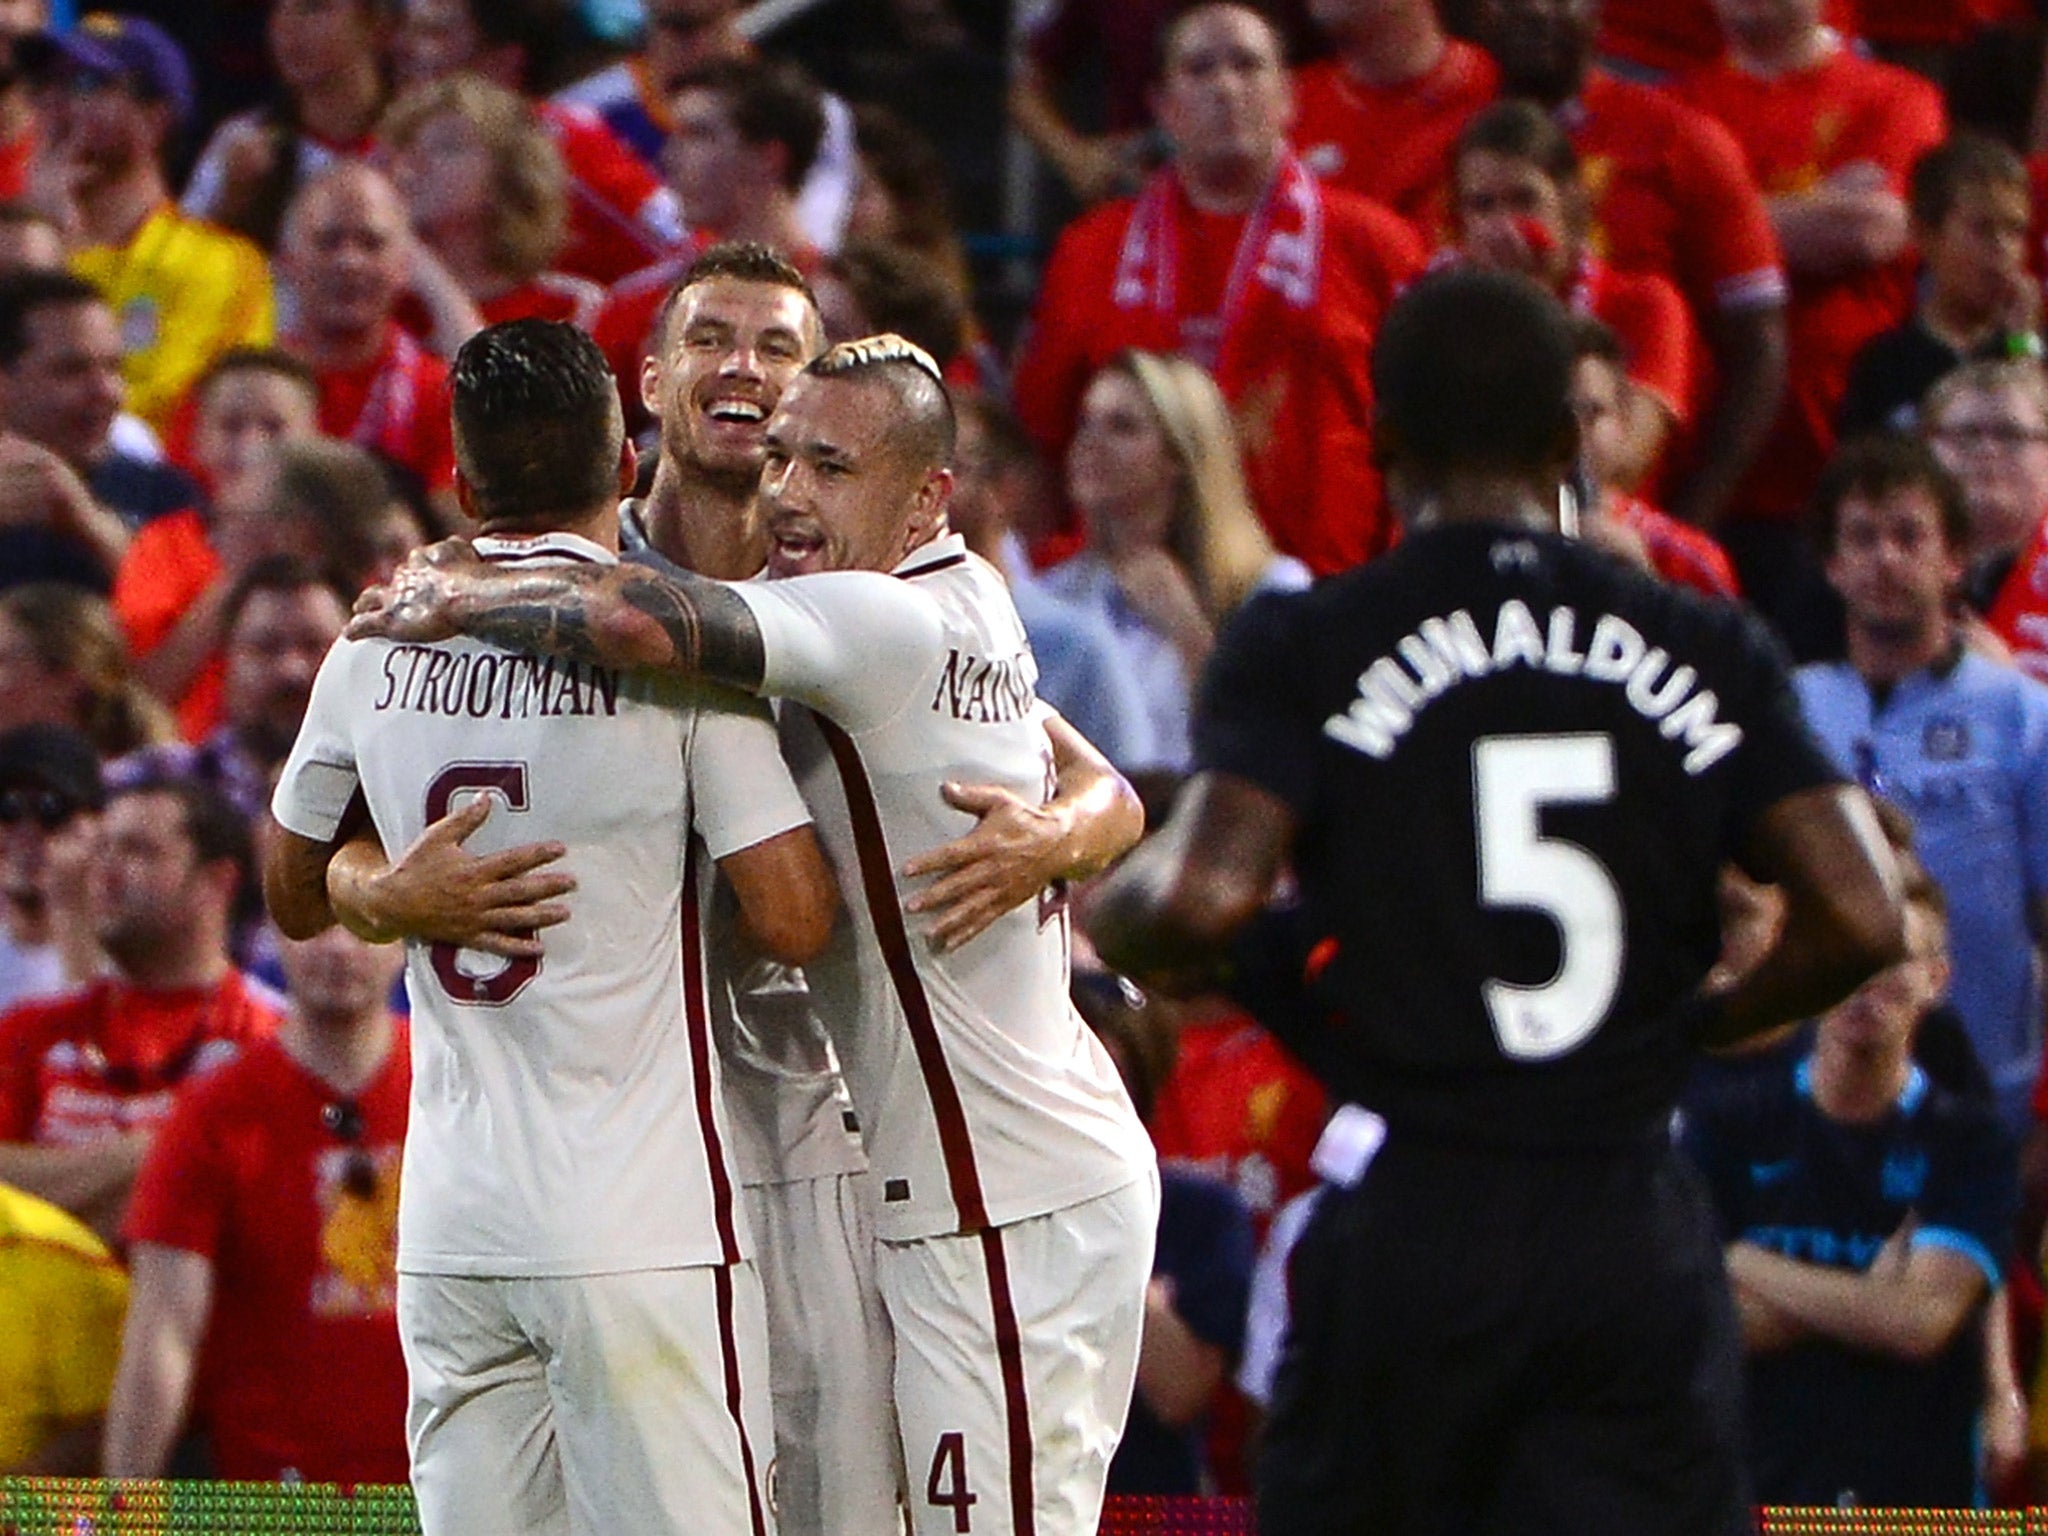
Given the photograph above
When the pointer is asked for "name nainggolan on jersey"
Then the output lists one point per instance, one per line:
(1447, 650)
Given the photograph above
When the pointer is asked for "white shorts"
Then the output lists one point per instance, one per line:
(1016, 1353)
(837, 1468)
(589, 1405)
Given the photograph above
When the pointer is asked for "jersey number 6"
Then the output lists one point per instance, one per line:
(508, 782)
(1513, 779)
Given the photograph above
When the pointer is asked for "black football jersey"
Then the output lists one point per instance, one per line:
(1518, 767)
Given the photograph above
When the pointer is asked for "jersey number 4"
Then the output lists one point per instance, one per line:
(508, 782)
(1513, 779)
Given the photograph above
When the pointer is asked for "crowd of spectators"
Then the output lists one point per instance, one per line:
(1804, 244)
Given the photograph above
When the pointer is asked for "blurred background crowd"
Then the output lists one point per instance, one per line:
(1149, 242)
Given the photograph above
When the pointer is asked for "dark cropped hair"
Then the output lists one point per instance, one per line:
(1880, 465)
(1472, 371)
(1961, 161)
(537, 427)
(22, 294)
(741, 261)
(271, 360)
(1521, 130)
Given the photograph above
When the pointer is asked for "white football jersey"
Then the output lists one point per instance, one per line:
(567, 1115)
(982, 1095)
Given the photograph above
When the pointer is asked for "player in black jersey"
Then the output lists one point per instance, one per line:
(1506, 771)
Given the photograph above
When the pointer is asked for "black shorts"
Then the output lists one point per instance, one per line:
(1494, 1342)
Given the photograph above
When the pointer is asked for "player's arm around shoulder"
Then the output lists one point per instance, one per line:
(1166, 916)
(1017, 850)
(758, 829)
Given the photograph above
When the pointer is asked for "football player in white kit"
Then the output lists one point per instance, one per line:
(1017, 1190)
(583, 1325)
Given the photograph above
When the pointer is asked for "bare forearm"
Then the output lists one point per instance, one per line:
(1103, 815)
(1881, 1310)
(83, 1180)
(170, 666)
(624, 617)
(1832, 229)
(1750, 348)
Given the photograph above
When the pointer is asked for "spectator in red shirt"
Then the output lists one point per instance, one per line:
(621, 217)
(263, 1237)
(1672, 196)
(1236, 258)
(170, 592)
(351, 257)
(86, 1078)
(488, 195)
(1380, 118)
(1520, 204)
(746, 132)
(1616, 517)
(1831, 138)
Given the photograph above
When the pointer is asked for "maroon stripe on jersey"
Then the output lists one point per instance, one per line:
(1016, 1404)
(533, 556)
(698, 1020)
(878, 883)
(728, 1344)
(937, 565)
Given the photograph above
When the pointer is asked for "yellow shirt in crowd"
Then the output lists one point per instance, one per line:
(184, 291)
(63, 1297)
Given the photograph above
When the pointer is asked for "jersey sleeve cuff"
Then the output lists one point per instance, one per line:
(1971, 1248)
(312, 801)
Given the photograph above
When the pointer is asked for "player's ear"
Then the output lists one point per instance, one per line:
(629, 467)
(465, 496)
(650, 380)
(928, 506)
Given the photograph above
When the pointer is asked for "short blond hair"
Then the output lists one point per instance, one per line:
(1983, 377)
(529, 208)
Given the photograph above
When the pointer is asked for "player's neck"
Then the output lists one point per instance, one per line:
(1396, 49)
(1770, 58)
(599, 524)
(1858, 1084)
(703, 526)
(1512, 503)
(1229, 183)
(346, 1052)
(1888, 654)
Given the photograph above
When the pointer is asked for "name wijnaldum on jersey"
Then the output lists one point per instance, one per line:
(1442, 652)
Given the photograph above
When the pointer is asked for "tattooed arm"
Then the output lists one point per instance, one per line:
(627, 617)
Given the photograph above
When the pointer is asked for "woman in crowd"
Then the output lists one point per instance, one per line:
(328, 59)
(487, 193)
(63, 662)
(1171, 544)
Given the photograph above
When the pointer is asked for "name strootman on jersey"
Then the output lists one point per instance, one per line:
(1445, 651)
(493, 685)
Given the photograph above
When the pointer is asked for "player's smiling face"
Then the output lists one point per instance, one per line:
(836, 494)
(731, 348)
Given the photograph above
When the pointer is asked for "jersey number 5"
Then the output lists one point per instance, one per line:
(1513, 779)
(508, 782)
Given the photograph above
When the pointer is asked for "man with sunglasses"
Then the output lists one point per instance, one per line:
(86, 1078)
(50, 797)
(263, 1245)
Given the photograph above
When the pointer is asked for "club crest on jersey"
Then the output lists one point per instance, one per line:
(1443, 652)
(1946, 739)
